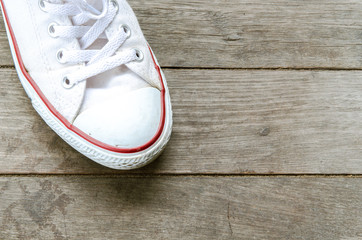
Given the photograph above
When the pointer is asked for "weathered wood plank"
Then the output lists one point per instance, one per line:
(224, 122)
(180, 208)
(249, 34)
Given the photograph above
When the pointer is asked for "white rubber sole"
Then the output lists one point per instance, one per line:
(122, 161)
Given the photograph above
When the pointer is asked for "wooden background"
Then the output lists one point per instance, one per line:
(267, 140)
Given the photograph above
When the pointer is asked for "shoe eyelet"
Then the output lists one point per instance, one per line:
(60, 54)
(42, 5)
(115, 4)
(66, 83)
(139, 55)
(51, 30)
(125, 29)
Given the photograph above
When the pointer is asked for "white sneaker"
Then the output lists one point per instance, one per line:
(92, 77)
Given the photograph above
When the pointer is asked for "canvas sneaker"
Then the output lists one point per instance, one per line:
(92, 77)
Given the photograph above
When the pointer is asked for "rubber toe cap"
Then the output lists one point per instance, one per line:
(127, 121)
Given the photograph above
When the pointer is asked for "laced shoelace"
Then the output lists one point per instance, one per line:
(96, 61)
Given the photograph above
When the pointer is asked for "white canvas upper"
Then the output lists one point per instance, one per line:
(120, 107)
(144, 112)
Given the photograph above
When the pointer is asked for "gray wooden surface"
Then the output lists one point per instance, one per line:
(180, 208)
(250, 33)
(252, 122)
(264, 88)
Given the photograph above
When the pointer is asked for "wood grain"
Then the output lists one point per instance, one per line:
(248, 34)
(180, 208)
(225, 121)
(233, 121)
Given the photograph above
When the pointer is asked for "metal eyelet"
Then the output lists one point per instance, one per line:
(66, 83)
(51, 29)
(115, 4)
(42, 5)
(60, 54)
(139, 55)
(125, 29)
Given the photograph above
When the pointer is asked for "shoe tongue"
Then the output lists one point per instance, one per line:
(96, 4)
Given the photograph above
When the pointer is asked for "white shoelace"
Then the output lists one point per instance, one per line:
(96, 61)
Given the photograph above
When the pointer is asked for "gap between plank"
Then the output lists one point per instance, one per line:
(148, 175)
(241, 69)
(265, 69)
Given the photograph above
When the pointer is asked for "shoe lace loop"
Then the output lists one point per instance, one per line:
(88, 25)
